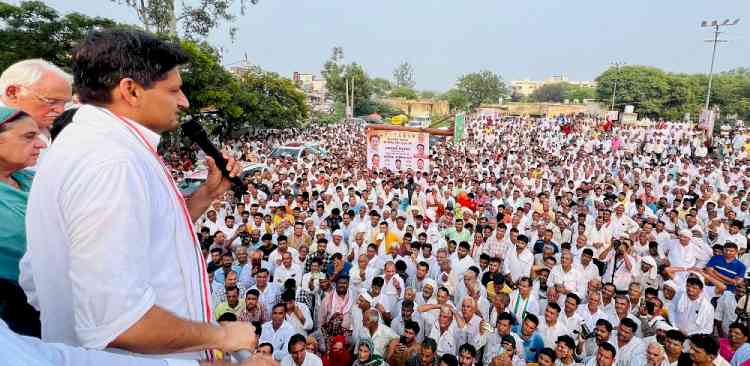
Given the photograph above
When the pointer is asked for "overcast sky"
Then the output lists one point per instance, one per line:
(445, 39)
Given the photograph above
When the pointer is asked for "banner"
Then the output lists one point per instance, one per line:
(458, 128)
(398, 150)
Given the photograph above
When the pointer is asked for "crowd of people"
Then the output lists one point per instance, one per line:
(624, 245)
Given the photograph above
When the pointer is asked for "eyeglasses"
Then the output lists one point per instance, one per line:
(49, 101)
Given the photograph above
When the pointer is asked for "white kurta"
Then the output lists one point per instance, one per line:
(107, 238)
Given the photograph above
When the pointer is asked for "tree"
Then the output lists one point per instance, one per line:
(381, 87)
(427, 94)
(34, 30)
(336, 78)
(554, 92)
(403, 76)
(404, 92)
(457, 100)
(562, 91)
(161, 16)
(481, 87)
(642, 86)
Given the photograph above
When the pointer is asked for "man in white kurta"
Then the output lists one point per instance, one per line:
(112, 250)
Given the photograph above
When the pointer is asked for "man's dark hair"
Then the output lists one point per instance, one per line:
(266, 344)
(227, 317)
(630, 323)
(410, 324)
(253, 291)
(430, 344)
(532, 318)
(604, 323)
(378, 282)
(609, 348)
(297, 338)
(466, 347)
(449, 359)
(675, 335)
(105, 57)
(705, 342)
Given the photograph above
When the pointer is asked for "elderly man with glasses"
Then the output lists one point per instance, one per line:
(38, 88)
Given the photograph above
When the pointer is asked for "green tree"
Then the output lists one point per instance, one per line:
(404, 92)
(206, 84)
(35, 30)
(337, 76)
(579, 93)
(554, 92)
(457, 100)
(161, 16)
(427, 94)
(642, 86)
(403, 76)
(481, 87)
(381, 87)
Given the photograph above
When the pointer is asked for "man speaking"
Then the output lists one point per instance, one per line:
(114, 257)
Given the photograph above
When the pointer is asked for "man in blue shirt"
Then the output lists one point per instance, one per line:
(727, 268)
(532, 341)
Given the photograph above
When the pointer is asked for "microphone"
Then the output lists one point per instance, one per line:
(195, 132)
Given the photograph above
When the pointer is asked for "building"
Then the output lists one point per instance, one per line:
(419, 107)
(527, 87)
(316, 93)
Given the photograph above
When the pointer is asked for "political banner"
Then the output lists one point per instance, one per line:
(458, 128)
(398, 150)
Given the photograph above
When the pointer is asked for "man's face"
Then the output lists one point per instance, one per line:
(427, 356)
(462, 252)
(226, 262)
(550, 315)
(262, 279)
(43, 101)
(602, 335)
(342, 287)
(233, 298)
(624, 334)
(229, 222)
(528, 327)
(699, 356)
(159, 106)
(231, 279)
(298, 353)
(604, 358)
(445, 318)
(465, 359)
(562, 351)
(216, 257)
(277, 316)
(251, 301)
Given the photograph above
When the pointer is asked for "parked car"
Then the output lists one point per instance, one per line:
(192, 181)
(298, 150)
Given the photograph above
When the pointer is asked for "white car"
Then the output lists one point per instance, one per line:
(192, 181)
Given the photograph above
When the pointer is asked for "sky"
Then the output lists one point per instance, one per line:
(443, 40)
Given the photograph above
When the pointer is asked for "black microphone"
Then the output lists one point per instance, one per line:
(195, 132)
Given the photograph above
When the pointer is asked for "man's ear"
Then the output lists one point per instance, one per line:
(11, 93)
(129, 91)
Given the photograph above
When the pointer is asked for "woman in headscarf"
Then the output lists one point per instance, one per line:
(337, 354)
(366, 354)
(19, 149)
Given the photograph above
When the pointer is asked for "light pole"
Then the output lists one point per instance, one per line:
(715, 25)
(614, 88)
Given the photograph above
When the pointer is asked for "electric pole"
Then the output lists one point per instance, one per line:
(617, 65)
(715, 25)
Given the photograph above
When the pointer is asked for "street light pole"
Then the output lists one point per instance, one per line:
(614, 88)
(715, 25)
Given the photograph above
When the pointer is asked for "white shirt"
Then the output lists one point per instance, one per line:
(311, 359)
(517, 265)
(103, 223)
(281, 274)
(277, 338)
(20, 350)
